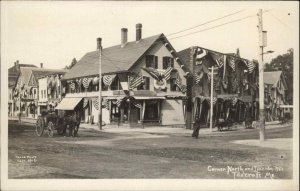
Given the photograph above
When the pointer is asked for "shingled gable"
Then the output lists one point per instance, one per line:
(114, 59)
(273, 77)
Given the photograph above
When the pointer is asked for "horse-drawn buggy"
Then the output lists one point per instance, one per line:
(65, 122)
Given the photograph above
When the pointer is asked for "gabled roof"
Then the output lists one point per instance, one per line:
(14, 72)
(40, 72)
(114, 59)
(272, 78)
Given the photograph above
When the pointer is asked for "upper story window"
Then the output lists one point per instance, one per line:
(173, 86)
(145, 85)
(151, 61)
(168, 62)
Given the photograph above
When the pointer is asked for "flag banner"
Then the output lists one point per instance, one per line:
(85, 102)
(108, 79)
(86, 82)
(167, 73)
(183, 88)
(135, 81)
(250, 66)
(218, 58)
(200, 54)
(120, 100)
(96, 103)
(231, 63)
(154, 73)
(106, 103)
(198, 77)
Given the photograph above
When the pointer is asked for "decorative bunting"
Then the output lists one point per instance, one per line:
(106, 103)
(96, 103)
(250, 66)
(167, 73)
(108, 79)
(231, 62)
(197, 78)
(135, 81)
(86, 82)
(200, 54)
(214, 101)
(179, 84)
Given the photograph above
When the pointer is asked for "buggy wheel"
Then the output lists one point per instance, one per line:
(50, 129)
(39, 126)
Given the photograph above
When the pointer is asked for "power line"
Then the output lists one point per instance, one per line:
(206, 22)
(216, 26)
(279, 20)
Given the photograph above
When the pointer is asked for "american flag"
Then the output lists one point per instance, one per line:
(200, 54)
(119, 101)
(154, 73)
(183, 88)
(219, 58)
(197, 78)
(135, 81)
(232, 63)
(107, 79)
(250, 66)
(86, 82)
(167, 73)
(209, 80)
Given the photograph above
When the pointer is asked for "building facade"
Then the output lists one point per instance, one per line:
(235, 85)
(144, 82)
(275, 91)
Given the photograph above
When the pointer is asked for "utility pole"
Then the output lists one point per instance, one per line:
(211, 98)
(261, 78)
(100, 83)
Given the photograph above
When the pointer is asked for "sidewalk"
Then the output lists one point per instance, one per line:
(170, 130)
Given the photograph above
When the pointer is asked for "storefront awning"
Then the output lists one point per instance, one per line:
(68, 103)
(148, 97)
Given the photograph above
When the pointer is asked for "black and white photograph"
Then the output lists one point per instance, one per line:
(149, 95)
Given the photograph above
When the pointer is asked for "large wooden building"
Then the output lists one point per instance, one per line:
(144, 82)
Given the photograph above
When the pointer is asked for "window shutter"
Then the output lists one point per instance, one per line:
(165, 62)
(172, 62)
(156, 62)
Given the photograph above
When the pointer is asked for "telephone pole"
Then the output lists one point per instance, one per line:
(262, 43)
(99, 40)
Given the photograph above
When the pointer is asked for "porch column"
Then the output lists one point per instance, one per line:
(121, 114)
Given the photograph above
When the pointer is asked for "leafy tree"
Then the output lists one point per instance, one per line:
(284, 63)
(74, 61)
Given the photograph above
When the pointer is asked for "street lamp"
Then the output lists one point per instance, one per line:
(267, 52)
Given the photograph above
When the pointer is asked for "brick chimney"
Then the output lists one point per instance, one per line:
(123, 36)
(17, 66)
(99, 43)
(41, 64)
(138, 31)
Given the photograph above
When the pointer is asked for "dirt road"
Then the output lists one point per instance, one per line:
(95, 154)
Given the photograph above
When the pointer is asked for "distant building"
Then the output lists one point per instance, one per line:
(275, 92)
(143, 83)
(13, 74)
(26, 90)
(49, 91)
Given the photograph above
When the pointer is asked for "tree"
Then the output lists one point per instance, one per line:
(74, 61)
(284, 63)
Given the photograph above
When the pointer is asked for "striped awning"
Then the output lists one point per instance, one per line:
(68, 103)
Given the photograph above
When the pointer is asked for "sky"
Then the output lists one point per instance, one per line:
(54, 32)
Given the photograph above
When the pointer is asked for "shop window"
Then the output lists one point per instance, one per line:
(115, 85)
(168, 62)
(151, 61)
